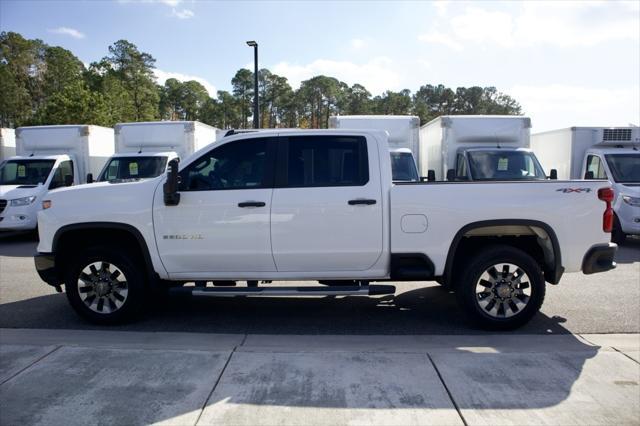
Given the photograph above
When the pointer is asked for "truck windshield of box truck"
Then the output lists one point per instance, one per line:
(508, 165)
(624, 167)
(125, 168)
(403, 167)
(25, 172)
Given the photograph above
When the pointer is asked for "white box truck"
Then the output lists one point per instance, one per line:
(7, 143)
(143, 150)
(478, 148)
(48, 157)
(403, 131)
(611, 153)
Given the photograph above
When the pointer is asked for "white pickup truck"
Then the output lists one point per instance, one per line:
(318, 205)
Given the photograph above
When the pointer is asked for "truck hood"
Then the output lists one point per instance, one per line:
(11, 192)
(98, 189)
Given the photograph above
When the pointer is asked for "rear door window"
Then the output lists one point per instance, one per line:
(323, 161)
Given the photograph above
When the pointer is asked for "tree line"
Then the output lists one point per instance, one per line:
(42, 84)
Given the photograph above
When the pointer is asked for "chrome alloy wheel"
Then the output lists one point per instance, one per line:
(102, 287)
(503, 290)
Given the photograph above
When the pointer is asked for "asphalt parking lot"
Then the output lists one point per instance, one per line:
(600, 303)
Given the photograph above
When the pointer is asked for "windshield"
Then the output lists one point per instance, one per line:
(403, 168)
(624, 167)
(25, 172)
(123, 168)
(507, 165)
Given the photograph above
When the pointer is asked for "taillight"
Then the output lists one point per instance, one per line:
(607, 195)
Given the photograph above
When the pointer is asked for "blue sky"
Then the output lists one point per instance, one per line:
(567, 63)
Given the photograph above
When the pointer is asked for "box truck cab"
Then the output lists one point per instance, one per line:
(478, 148)
(143, 150)
(49, 157)
(599, 153)
(403, 139)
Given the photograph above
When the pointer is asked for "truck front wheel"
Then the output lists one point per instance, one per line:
(501, 289)
(104, 285)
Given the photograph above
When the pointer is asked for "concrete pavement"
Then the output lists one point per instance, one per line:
(53, 377)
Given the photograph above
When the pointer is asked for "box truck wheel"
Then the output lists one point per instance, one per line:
(104, 286)
(501, 288)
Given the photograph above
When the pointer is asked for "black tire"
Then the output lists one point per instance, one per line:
(617, 236)
(470, 280)
(130, 273)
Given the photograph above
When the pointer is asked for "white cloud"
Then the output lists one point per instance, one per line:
(441, 6)
(376, 75)
(562, 24)
(173, 4)
(358, 43)
(72, 32)
(183, 13)
(163, 76)
(558, 106)
(436, 37)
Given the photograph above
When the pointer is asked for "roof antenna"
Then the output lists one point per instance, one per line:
(140, 150)
(497, 141)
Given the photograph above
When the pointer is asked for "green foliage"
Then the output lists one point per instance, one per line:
(41, 84)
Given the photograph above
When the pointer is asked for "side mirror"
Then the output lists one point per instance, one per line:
(553, 174)
(68, 180)
(451, 175)
(588, 175)
(431, 175)
(89, 177)
(170, 187)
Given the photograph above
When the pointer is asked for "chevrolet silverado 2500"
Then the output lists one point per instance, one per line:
(318, 205)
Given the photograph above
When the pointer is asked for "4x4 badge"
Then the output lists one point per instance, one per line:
(569, 190)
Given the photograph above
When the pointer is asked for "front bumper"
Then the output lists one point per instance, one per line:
(599, 258)
(46, 267)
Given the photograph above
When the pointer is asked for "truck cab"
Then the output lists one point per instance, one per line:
(48, 157)
(25, 181)
(496, 164)
(621, 166)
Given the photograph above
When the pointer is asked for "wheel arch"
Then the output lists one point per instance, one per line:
(506, 231)
(110, 232)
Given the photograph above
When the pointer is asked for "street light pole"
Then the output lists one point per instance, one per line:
(256, 105)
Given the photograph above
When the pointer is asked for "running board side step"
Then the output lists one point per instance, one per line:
(365, 290)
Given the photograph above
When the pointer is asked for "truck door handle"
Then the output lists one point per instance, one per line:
(359, 201)
(251, 204)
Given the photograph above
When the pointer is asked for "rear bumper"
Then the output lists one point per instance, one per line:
(46, 267)
(599, 258)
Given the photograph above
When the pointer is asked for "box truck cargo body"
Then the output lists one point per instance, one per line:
(7, 143)
(143, 150)
(404, 134)
(48, 157)
(611, 153)
(478, 147)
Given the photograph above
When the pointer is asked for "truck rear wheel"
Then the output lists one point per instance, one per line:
(501, 289)
(104, 286)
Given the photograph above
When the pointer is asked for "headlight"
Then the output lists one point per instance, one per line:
(24, 201)
(632, 201)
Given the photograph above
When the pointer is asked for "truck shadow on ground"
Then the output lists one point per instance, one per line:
(426, 310)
